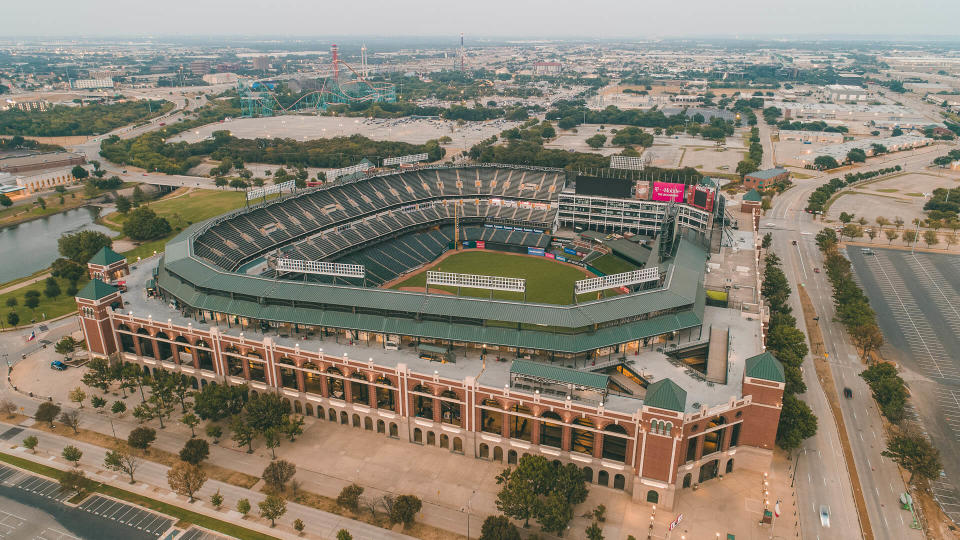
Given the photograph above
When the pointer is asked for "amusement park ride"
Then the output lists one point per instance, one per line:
(258, 99)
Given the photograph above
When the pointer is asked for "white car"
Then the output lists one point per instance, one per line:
(824, 516)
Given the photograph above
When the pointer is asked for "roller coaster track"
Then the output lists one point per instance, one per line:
(256, 99)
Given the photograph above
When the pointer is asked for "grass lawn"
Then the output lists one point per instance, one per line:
(548, 281)
(611, 264)
(184, 210)
(184, 515)
(51, 307)
(25, 212)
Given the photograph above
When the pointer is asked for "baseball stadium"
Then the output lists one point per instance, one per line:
(467, 307)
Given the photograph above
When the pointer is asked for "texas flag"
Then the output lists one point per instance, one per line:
(33, 336)
(776, 509)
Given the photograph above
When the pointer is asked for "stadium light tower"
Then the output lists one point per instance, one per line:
(463, 53)
(336, 62)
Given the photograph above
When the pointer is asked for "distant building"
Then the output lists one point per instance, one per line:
(45, 181)
(106, 73)
(547, 68)
(261, 63)
(839, 151)
(766, 178)
(839, 93)
(751, 201)
(200, 67)
(87, 84)
(811, 136)
(25, 105)
(220, 78)
(849, 78)
(39, 162)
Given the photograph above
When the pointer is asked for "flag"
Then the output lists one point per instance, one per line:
(776, 509)
(33, 336)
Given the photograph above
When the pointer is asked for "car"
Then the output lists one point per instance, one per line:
(58, 365)
(824, 516)
(847, 393)
(794, 242)
(816, 270)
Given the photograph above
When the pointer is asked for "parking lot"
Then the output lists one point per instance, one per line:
(126, 514)
(33, 484)
(917, 301)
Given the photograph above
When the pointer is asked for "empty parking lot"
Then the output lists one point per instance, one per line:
(917, 300)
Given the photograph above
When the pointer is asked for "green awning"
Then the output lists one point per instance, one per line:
(432, 348)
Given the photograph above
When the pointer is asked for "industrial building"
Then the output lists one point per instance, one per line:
(91, 84)
(839, 151)
(829, 137)
(42, 161)
(766, 178)
(840, 93)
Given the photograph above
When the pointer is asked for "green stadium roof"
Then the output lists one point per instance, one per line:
(95, 290)
(666, 394)
(765, 366)
(106, 257)
(560, 374)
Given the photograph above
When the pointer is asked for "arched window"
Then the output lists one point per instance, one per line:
(360, 390)
(491, 421)
(619, 482)
(520, 426)
(654, 427)
(729, 467)
(126, 340)
(603, 478)
(484, 451)
(423, 405)
(449, 410)
(385, 396)
(312, 382)
(356, 420)
(687, 478)
(431, 438)
(164, 348)
(183, 354)
(582, 438)
(615, 443)
(668, 429)
(551, 429)
(335, 384)
(458, 445)
(257, 367)
(588, 474)
(653, 496)
(381, 426)
(417, 435)
(394, 432)
(512, 457)
(498, 454)
(367, 424)
(204, 356)
(309, 408)
(713, 439)
(444, 441)
(146, 344)
(288, 377)
(344, 418)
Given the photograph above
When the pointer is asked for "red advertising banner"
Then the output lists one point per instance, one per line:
(668, 191)
(481, 244)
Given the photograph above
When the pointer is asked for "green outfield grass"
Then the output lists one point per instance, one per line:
(548, 281)
(611, 264)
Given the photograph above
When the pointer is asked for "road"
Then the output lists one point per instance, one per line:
(822, 477)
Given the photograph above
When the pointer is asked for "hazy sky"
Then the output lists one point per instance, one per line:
(500, 18)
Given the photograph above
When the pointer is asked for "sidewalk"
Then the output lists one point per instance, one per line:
(152, 482)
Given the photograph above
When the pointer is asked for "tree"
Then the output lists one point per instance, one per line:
(12, 302)
(51, 288)
(911, 450)
(349, 497)
(930, 237)
(237, 183)
(216, 500)
(272, 508)
(123, 204)
(142, 437)
(594, 532)
(846, 218)
(47, 412)
(498, 528)
(219, 401)
(746, 166)
(79, 247)
(79, 172)
(72, 454)
(851, 230)
(74, 480)
(8, 408)
(867, 338)
(5, 201)
(243, 506)
(180, 386)
(856, 155)
(891, 234)
(909, 236)
(767, 241)
(144, 224)
(118, 407)
(797, 422)
(72, 419)
(31, 301)
(825, 163)
(243, 434)
(13, 319)
(77, 395)
(518, 496)
(293, 427)
(194, 451)
(138, 196)
(271, 439)
(65, 345)
(122, 461)
(186, 479)
(30, 443)
(214, 432)
(299, 526)
(277, 474)
(191, 420)
(267, 410)
(344, 534)
(596, 141)
(555, 513)
(220, 181)
(405, 509)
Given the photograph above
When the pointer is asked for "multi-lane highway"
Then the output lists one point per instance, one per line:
(822, 477)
